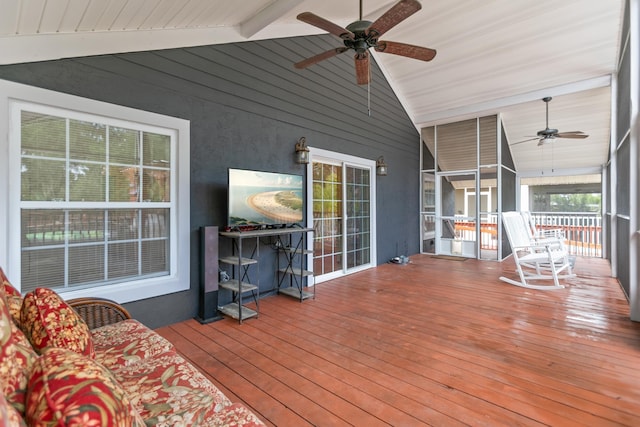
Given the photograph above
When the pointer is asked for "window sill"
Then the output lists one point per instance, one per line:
(131, 291)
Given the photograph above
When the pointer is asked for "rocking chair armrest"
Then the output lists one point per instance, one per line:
(550, 241)
(531, 246)
(541, 246)
(97, 312)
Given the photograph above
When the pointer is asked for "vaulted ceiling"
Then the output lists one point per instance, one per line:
(494, 57)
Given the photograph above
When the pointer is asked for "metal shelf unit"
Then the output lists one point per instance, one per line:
(241, 283)
(293, 251)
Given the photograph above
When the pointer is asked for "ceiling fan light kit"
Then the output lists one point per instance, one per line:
(362, 35)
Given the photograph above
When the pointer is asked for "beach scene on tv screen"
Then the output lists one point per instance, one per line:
(264, 198)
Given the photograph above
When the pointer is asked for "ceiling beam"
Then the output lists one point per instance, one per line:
(43, 47)
(267, 16)
(548, 172)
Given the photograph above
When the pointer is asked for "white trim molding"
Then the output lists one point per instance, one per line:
(178, 279)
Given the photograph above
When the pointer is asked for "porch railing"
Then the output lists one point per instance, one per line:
(582, 231)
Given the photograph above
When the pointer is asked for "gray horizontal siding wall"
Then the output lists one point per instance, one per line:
(248, 106)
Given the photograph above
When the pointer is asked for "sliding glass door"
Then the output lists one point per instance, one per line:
(342, 209)
(328, 218)
(357, 206)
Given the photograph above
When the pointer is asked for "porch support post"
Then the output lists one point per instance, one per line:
(634, 160)
(612, 182)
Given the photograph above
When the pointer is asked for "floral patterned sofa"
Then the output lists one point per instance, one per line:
(55, 370)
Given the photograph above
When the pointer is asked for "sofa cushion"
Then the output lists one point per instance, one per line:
(48, 321)
(13, 297)
(236, 415)
(167, 390)
(127, 342)
(66, 388)
(9, 416)
(16, 357)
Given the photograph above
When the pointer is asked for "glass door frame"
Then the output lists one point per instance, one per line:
(440, 217)
(344, 160)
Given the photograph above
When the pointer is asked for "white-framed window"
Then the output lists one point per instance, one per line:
(97, 200)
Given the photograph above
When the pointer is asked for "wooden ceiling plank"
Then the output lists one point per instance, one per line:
(110, 14)
(140, 18)
(30, 16)
(266, 16)
(162, 14)
(75, 11)
(9, 16)
(185, 16)
(127, 18)
(92, 15)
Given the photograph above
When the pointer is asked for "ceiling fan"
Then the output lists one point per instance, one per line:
(548, 135)
(362, 35)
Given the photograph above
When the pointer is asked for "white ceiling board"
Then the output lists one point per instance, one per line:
(29, 16)
(107, 16)
(9, 17)
(54, 13)
(160, 15)
(494, 57)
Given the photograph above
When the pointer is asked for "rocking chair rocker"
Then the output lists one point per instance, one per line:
(535, 260)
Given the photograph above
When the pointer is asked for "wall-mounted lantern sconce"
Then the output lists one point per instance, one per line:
(381, 167)
(302, 151)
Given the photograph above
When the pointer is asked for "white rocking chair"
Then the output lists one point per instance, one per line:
(539, 234)
(535, 260)
(555, 236)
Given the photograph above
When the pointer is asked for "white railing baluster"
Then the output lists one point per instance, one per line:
(582, 230)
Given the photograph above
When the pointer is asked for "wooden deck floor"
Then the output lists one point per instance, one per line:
(434, 342)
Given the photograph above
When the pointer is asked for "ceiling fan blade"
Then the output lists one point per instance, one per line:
(330, 27)
(526, 140)
(408, 50)
(572, 135)
(363, 75)
(320, 57)
(392, 17)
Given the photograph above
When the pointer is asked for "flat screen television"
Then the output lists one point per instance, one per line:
(259, 198)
